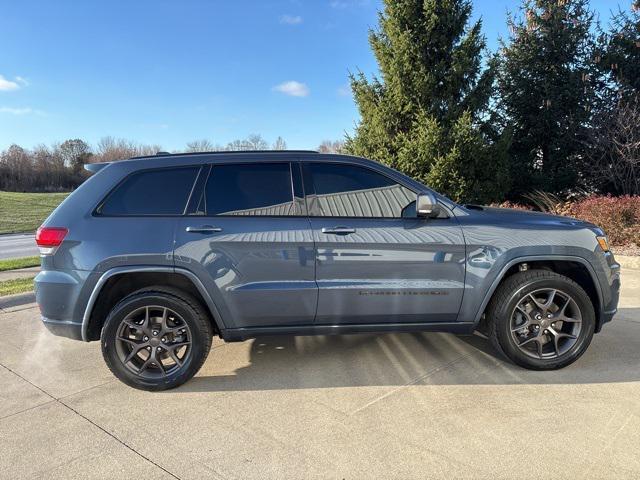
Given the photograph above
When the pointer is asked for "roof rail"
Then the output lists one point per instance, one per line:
(222, 152)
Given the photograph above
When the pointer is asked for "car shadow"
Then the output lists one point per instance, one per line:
(287, 362)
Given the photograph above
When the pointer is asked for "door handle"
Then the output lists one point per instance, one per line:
(203, 229)
(339, 230)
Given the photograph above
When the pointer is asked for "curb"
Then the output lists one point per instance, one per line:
(16, 300)
(627, 261)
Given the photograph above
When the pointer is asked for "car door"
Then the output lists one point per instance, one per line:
(373, 265)
(249, 239)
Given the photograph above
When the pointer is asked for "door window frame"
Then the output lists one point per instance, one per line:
(307, 180)
(299, 202)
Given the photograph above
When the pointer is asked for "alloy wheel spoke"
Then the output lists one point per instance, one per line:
(133, 353)
(175, 358)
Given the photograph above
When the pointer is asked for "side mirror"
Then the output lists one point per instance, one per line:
(427, 205)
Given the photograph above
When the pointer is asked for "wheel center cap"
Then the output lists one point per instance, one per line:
(544, 323)
(154, 341)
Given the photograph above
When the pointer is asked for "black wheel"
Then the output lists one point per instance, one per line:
(541, 320)
(156, 339)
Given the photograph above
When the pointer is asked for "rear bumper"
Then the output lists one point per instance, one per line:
(59, 296)
(63, 328)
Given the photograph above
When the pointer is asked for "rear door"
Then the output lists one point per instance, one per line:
(249, 239)
(372, 264)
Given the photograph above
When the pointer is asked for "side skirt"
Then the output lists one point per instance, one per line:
(240, 334)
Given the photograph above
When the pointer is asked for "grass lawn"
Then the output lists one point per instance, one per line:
(14, 263)
(19, 285)
(25, 212)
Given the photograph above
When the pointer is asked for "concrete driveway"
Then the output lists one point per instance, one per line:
(363, 406)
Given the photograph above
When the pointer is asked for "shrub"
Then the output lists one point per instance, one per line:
(619, 217)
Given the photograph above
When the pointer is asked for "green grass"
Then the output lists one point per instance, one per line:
(19, 285)
(25, 212)
(14, 263)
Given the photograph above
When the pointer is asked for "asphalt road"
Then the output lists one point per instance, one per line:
(18, 245)
(362, 406)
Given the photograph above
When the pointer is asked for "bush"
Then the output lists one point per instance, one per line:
(619, 217)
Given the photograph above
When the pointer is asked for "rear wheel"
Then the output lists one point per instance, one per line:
(156, 339)
(541, 320)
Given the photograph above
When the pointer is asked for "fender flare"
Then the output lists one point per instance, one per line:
(538, 258)
(147, 269)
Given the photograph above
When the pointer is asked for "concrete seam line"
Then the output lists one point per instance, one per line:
(27, 409)
(123, 443)
(413, 382)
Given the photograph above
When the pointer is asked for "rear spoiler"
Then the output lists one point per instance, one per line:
(95, 167)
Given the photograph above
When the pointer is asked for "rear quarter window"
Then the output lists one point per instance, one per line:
(151, 192)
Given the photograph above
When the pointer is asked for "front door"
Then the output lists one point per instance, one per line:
(250, 241)
(373, 265)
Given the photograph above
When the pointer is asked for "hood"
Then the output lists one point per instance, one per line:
(516, 216)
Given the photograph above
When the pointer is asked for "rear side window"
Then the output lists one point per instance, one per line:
(341, 190)
(254, 189)
(152, 192)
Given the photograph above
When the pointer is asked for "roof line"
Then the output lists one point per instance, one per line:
(220, 152)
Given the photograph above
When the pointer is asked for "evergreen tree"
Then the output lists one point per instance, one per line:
(427, 114)
(548, 83)
(620, 52)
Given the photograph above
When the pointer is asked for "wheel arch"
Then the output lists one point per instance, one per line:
(118, 282)
(576, 268)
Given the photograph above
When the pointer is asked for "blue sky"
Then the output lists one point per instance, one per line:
(167, 71)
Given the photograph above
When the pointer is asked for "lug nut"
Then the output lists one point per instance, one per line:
(149, 348)
(549, 315)
(145, 338)
(546, 331)
(155, 333)
(164, 339)
(159, 349)
(538, 317)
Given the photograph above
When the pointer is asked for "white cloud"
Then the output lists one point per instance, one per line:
(292, 88)
(7, 85)
(291, 19)
(21, 111)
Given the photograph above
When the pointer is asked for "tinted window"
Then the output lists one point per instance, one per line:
(152, 192)
(338, 190)
(250, 189)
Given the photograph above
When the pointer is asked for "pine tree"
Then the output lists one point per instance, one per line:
(427, 113)
(548, 83)
(620, 52)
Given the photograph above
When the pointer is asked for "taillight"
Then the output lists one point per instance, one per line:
(50, 238)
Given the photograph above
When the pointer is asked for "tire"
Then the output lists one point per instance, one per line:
(516, 331)
(149, 349)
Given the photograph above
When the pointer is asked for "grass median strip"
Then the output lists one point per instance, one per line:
(18, 285)
(15, 263)
(24, 212)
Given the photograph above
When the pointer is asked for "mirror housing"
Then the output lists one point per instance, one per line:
(427, 205)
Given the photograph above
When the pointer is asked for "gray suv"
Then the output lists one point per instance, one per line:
(153, 256)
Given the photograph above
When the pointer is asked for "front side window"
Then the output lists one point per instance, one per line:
(341, 190)
(151, 192)
(254, 189)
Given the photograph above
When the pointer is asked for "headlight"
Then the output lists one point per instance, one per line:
(603, 242)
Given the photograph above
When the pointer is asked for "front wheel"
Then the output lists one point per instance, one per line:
(156, 339)
(541, 320)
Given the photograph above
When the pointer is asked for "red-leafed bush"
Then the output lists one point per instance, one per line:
(619, 217)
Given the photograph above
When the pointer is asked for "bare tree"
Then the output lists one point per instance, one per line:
(328, 146)
(279, 144)
(202, 145)
(615, 148)
(111, 149)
